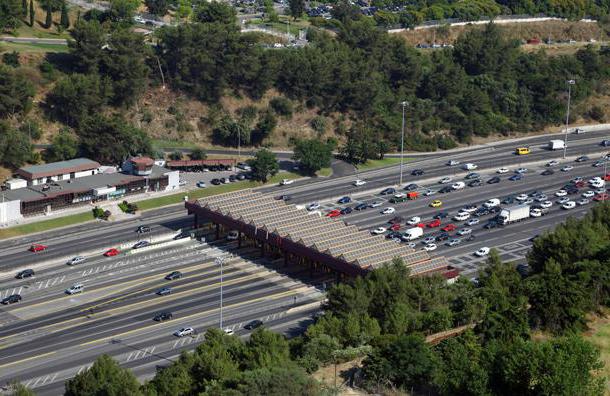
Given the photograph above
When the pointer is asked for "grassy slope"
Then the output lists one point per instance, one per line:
(599, 335)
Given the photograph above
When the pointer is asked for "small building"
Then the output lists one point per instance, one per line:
(13, 184)
(57, 171)
(141, 166)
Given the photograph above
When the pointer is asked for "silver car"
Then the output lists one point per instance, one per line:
(454, 242)
(76, 260)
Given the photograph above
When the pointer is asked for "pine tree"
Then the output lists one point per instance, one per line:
(65, 18)
(32, 13)
(24, 7)
(49, 20)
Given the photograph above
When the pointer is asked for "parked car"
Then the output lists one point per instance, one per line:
(344, 200)
(388, 191)
(482, 252)
(334, 213)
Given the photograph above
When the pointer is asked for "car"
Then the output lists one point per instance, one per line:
(449, 227)
(442, 236)
(572, 191)
(395, 227)
(516, 177)
(436, 203)
(461, 216)
(458, 185)
(561, 193)
(74, 289)
(454, 242)
(468, 209)
(216, 182)
(490, 224)
(440, 215)
(563, 200)
(233, 235)
(26, 273)
(472, 176)
(453, 162)
(13, 298)
(228, 331)
(490, 203)
(494, 210)
(429, 192)
(445, 190)
(598, 163)
(411, 187)
(395, 219)
(582, 158)
(243, 166)
(552, 163)
(286, 182)
(76, 260)
(522, 150)
(569, 205)
(141, 244)
(502, 170)
(388, 210)
(535, 212)
(388, 191)
(541, 198)
(361, 206)
(376, 204)
(36, 247)
(521, 197)
(606, 177)
(417, 172)
(445, 180)
(601, 197)
(579, 131)
(412, 245)
(598, 184)
(605, 143)
(414, 220)
(469, 166)
(521, 170)
(434, 223)
(482, 252)
(547, 172)
(588, 194)
(334, 213)
(283, 197)
(475, 183)
(201, 184)
(346, 210)
(253, 324)
(430, 247)
(164, 291)
(224, 180)
(378, 230)
(173, 275)
(143, 229)
(577, 179)
(595, 179)
(313, 206)
(567, 168)
(344, 200)
(508, 200)
(429, 239)
(472, 222)
(546, 204)
(359, 183)
(583, 201)
(185, 331)
(241, 176)
(464, 231)
(163, 317)
(111, 252)
(494, 180)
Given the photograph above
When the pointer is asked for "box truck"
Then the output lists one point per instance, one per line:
(513, 214)
(412, 233)
(557, 144)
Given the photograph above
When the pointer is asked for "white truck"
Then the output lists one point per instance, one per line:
(557, 144)
(513, 214)
(412, 233)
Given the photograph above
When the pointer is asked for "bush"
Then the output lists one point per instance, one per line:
(176, 155)
(597, 113)
(282, 106)
(11, 58)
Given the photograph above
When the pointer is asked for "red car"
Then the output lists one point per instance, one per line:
(601, 197)
(420, 225)
(37, 248)
(111, 252)
(334, 213)
(395, 227)
(607, 177)
(580, 184)
(449, 228)
(434, 223)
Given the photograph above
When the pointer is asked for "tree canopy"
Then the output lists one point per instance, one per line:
(264, 164)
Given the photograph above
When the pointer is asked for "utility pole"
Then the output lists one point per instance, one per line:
(220, 261)
(565, 142)
(402, 140)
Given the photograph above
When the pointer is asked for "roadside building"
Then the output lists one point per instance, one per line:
(56, 171)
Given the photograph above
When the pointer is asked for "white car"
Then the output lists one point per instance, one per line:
(286, 182)
(389, 210)
(469, 209)
(563, 200)
(502, 170)
(313, 206)
(412, 245)
(552, 163)
(201, 184)
(375, 204)
(569, 205)
(359, 183)
(521, 197)
(182, 183)
(469, 166)
(229, 331)
(400, 195)
(465, 231)
(462, 216)
(482, 252)
(184, 332)
(428, 240)
(445, 180)
(561, 193)
(598, 184)
(429, 192)
(458, 185)
(453, 163)
(567, 168)
(595, 179)
(77, 288)
(491, 203)
(546, 204)
(414, 220)
(535, 212)
(583, 201)
(588, 194)
(430, 247)
(76, 260)
(521, 170)
(472, 222)
(378, 230)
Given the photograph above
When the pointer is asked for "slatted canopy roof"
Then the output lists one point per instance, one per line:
(323, 235)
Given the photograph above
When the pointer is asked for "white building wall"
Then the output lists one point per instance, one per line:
(10, 211)
(173, 180)
(85, 173)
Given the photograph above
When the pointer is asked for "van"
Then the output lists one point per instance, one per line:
(492, 203)
(74, 289)
(522, 150)
(412, 233)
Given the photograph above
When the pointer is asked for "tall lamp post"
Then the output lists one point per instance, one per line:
(402, 140)
(565, 142)
(220, 261)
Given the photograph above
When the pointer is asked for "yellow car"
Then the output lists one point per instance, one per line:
(436, 203)
(522, 150)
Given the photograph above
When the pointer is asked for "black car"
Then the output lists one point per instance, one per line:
(344, 200)
(164, 291)
(361, 206)
(216, 182)
(393, 234)
(445, 190)
(224, 180)
(395, 219)
(582, 158)
(11, 299)
(142, 229)
(253, 325)
(232, 178)
(475, 183)
(163, 316)
(495, 209)
(387, 191)
(472, 176)
(605, 143)
(241, 176)
(508, 200)
(494, 180)
(572, 191)
(347, 210)
(417, 172)
(174, 275)
(283, 197)
(440, 215)
(481, 212)
(442, 236)
(26, 273)
(548, 172)
(411, 187)
(491, 224)
(141, 244)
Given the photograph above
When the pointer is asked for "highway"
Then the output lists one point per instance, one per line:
(50, 336)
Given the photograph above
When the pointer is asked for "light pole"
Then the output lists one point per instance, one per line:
(565, 142)
(402, 140)
(220, 261)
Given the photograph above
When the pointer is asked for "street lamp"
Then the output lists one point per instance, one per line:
(220, 261)
(402, 140)
(565, 142)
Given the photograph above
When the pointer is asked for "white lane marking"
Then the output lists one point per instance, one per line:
(53, 379)
(129, 357)
(197, 338)
(27, 384)
(47, 284)
(39, 285)
(44, 381)
(152, 350)
(137, 356)
(175, 344)
(62, 279)
(36, 382)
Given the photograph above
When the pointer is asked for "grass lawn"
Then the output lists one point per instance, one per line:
(170, 144)
(25, 30)
(599, 335)
(46, 225)
(387, 161)
(324, 172)
(35, 48)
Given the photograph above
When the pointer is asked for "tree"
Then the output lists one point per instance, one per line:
(16, 93)
(157, 7)
(15, 146)
(11, 58)
(104, 377)
(122, 11)
(312, 155)
(198, 154)
(173, 380)
(32, 13)
(24, 8)
(265, 125)
(264, 164)
(50, 6)
(64, 20)
(297, 7)
(87, 46)
(10, 13)
(215, 11)
(64, 147)
(266, 349)
(176, 155)
(18, 389)
(278, 380)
